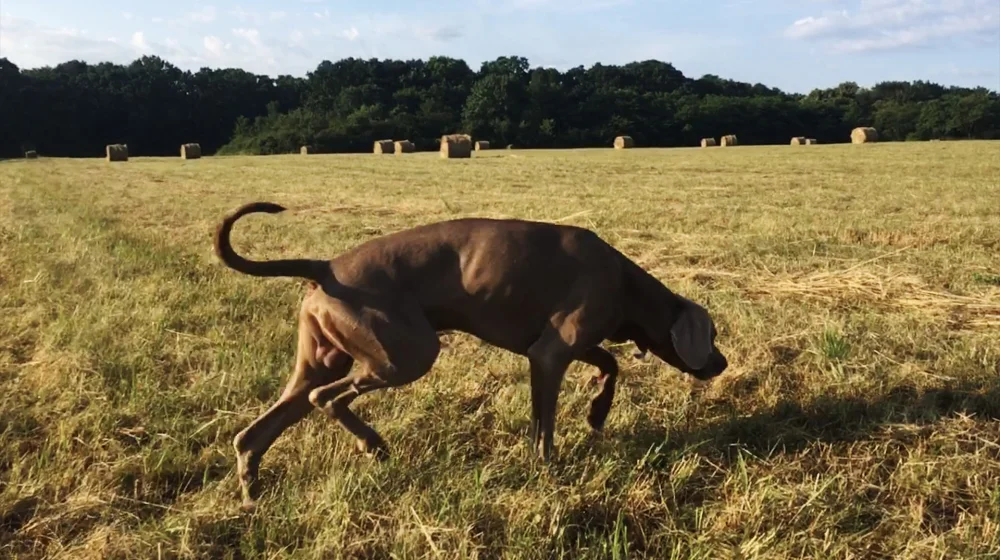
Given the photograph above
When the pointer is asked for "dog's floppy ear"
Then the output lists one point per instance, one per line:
(692, 336)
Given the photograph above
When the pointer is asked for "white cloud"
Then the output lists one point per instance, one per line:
(892, 24)
(297, 39)
(400, 28)
(139, 43)
(252, 36)
(552, 5)
(350, 34)
(325, 14)
(245, 16)
(204, 15)
(30, 45)
(214, 45)
(277, 15)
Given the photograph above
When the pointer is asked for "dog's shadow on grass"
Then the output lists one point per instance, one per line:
(793, 425)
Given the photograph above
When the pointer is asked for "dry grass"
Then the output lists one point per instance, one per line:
(857, 296)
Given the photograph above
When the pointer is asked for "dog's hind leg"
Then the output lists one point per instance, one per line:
(316, 365)
(601, 405)
(394, 349)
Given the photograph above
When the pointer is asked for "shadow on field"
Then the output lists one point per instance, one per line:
(790, 426)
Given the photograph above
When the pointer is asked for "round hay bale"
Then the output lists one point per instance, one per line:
(306, 150)
(31, 154)
(190, 151)
(799, 141)
(728, 140)
(116, 152)
(864, 135)
(811, 141)
(456, 146)
(510, 146)
(624, 142)
(384, 147)
(708, 142)
(482, 145)
(405, 147)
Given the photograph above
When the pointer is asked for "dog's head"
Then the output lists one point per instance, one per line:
(689, 343)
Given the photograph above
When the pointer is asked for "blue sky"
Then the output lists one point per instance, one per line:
(794, 45)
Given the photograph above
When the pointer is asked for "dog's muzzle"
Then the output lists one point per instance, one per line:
(717, 363)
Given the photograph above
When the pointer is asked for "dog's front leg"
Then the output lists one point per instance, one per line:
(608, 366)
(548, 359)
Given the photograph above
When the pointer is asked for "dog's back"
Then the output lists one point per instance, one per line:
(481, 275)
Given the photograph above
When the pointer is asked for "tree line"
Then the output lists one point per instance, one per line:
(75, 108)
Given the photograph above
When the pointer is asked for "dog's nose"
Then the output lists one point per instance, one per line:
(723, 362)
(717, 364)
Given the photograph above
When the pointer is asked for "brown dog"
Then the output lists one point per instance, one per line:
(550, 292)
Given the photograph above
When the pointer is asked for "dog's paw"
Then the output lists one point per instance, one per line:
(248, 507)
(596, 422)
(598, 416)
(373, 448)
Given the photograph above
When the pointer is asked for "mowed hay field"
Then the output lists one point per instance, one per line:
(856, 290)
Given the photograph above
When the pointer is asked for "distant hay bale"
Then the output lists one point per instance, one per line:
(799, 141)
(482, 145)
(864, 135)
(456, 146)
(384, 147)
(405, 147)
(811, 141)
(190, 151)
(708, 142)
(624, 142)
(116, 152)
(306, 150)
(728, 140)
(31, 154)
(510, 146)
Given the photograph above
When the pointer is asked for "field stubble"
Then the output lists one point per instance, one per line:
(857, 291)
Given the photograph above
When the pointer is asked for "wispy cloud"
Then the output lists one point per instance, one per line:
(29, 44)
(351, 33)
(557, 5)
(893, 24)
(139, 43)
(204, 15)
(215, 46)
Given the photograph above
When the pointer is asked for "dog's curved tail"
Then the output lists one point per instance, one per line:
(310, 269)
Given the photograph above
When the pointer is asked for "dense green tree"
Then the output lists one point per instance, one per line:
(74, 108)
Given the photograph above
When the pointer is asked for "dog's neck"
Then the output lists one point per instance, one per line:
(650, 307)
